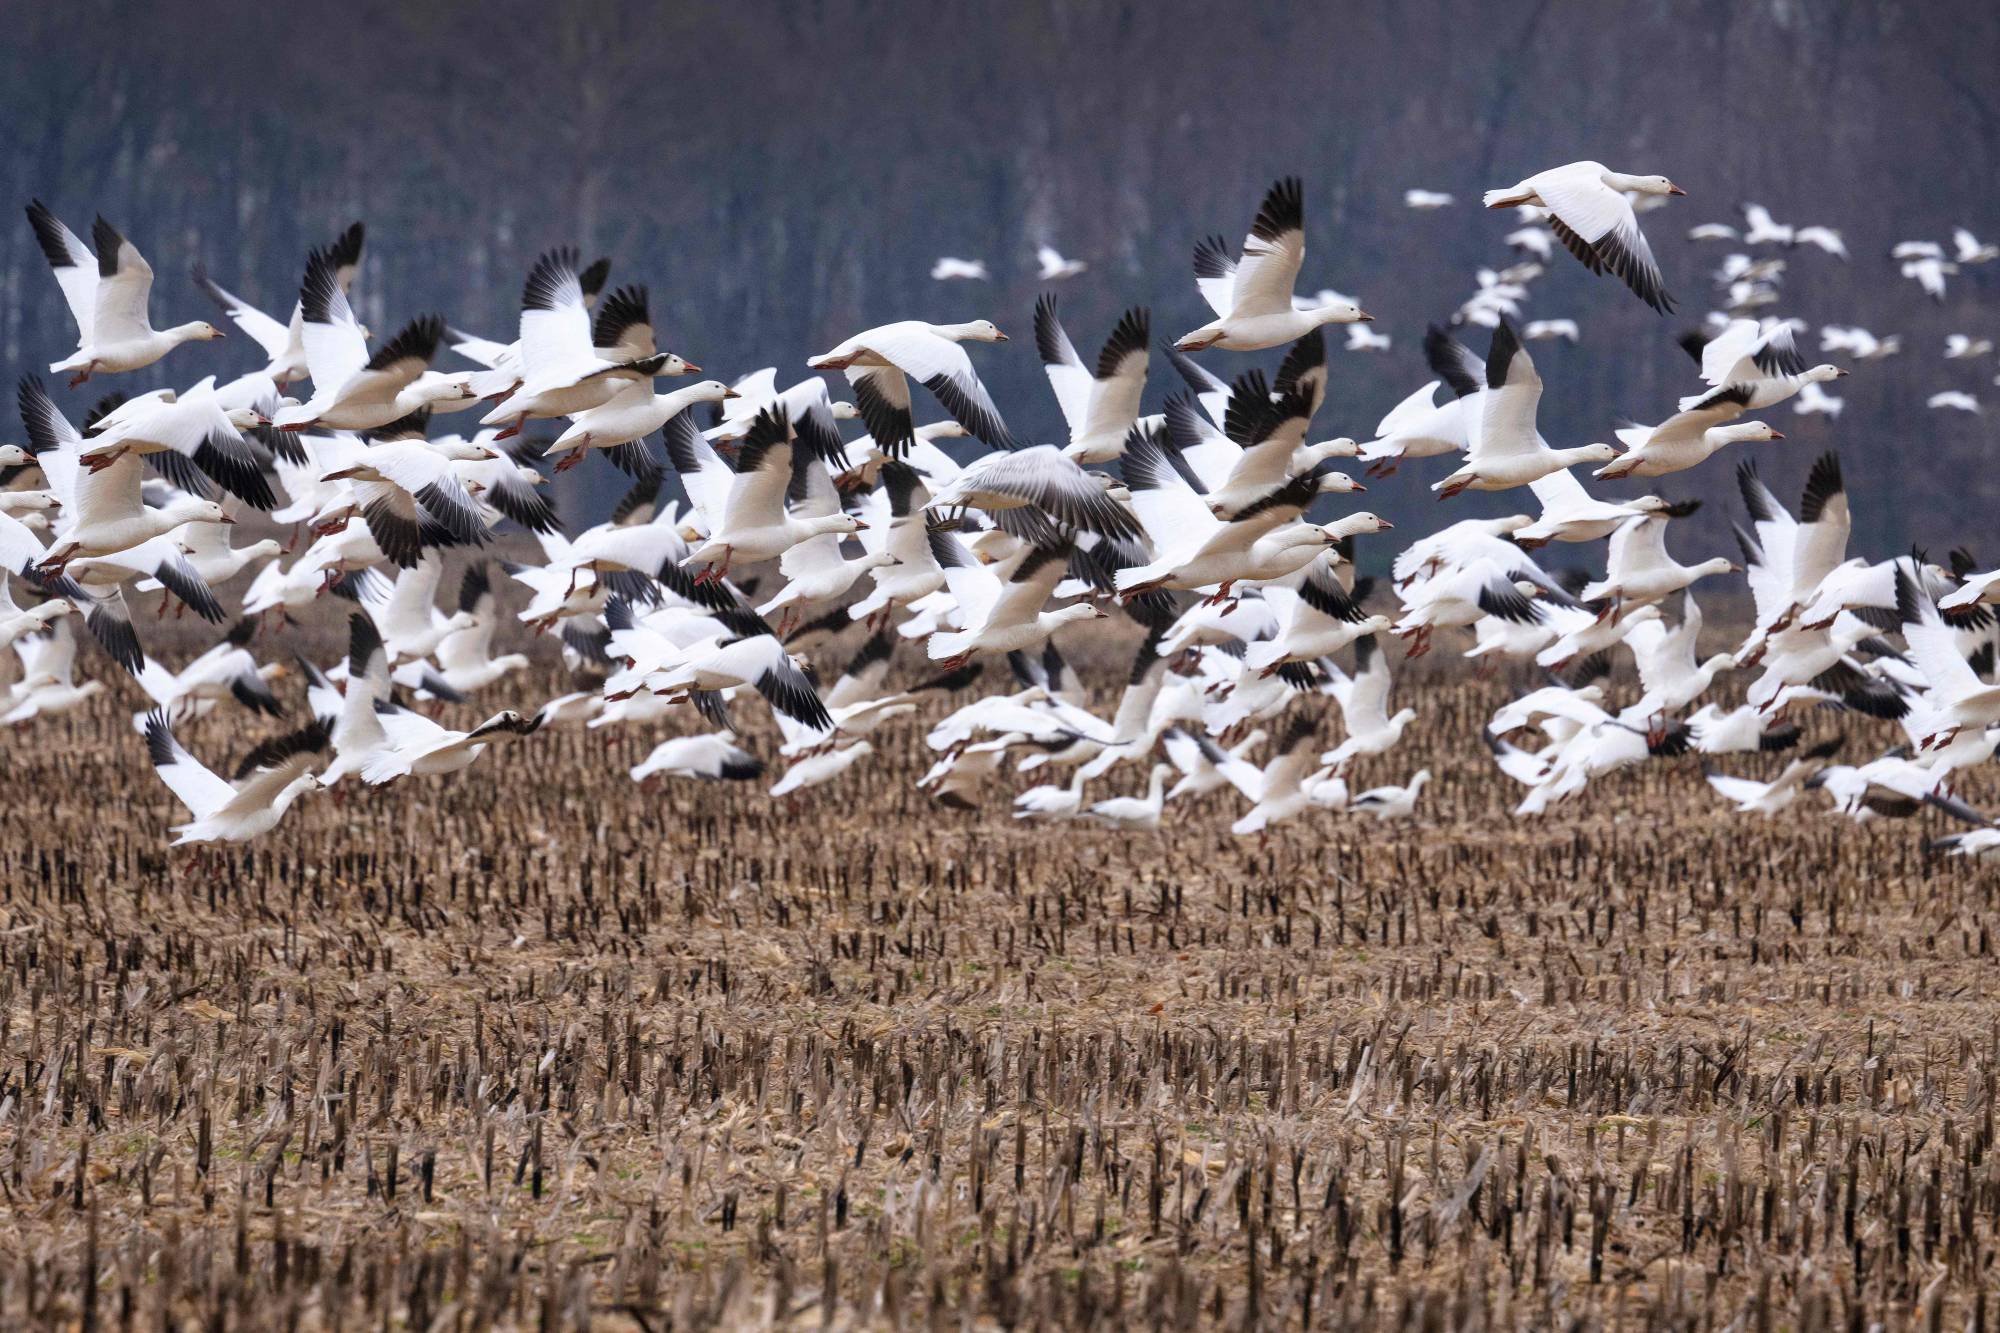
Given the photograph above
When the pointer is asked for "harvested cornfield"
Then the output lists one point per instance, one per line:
(535, 1046)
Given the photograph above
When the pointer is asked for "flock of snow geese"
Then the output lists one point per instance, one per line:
(1250, 610)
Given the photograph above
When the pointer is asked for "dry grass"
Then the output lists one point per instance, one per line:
(531, 1047)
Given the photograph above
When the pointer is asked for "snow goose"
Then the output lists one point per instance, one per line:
(1977, 842)
(1364, 706)
(1054, 267)
(1269, 427)
(744, 507)
(1815, 401)
(283, 344)
(1669, 671)
(1929, 273)
(47, 685)
(949, 269)
(422, 748)
(880, 361)
(1638, 567)
(410, 624)
(1460, 596)
(816, 769)
(1323, 618)
(1282, 789)
(1425, 201)
(1391, 802)
(1688, 438)
(1195, 549)
(108, 294)
(814, 570)
(1040, 477)
(1135, 812)
(352, 388)
(1206, 767)
(997, 616)
(714, 757)
(569, 362)
(746, 653)
(1954, 400)
(632, 413)
(1957, 698)
(1418, 427)
(1967, 248)
(1101, 404)
(185, 436)
(1591, 214)
(17, 623)
(1962, 347)
(226, 671)
(1252, 296)
(1976, 590)
(405, 488)
(1744, 729)
(1752, 797)
(270, 778)
(1764, 356)
(911, 572)
(1509, 451)
(505, 485)
(1572, 514)
(1361, 338)
(465, 657)
(1051, 801)
(1540, 330)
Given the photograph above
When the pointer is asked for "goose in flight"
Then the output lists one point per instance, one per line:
(1425, 201)
(948, 269)
(1968, 249)
(1252, 295)
(1054, 267)
(1391, 802)
(1001, 615)
(1040, 477)
(1955, 400)
(108, 295)
(1590, 211)
(1135, 812)
(743, 506)
(1957, 699)
(1765, 357)
(633, 412)
(1364, 705)
(283, 344)
(1509, 451)
(1689, 437)
(1539, 330)
(185, 436)
(570, 362)
(881, 361)
(354, 389)
(269, 779)
(1962, 347)
(1638, 568)
(1099, 404)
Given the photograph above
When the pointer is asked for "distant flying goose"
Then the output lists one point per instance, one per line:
(715, 757)
(1364, 705)
(1281, 790)
(1955, 400)
(269, 779)
(1591, 215)
(822, 767)
(1960, 347)
(878, 360)
(948, 268)
(1135, 812)
(1252, 296)
(1054, 268)
(1391, 802)
(1541, 329)
(1929, 273)
(1426, 200)
(1040, 477)
(284, 344)
(1101, 404)
(1826, 238)
(1968, 249)
(108, 294)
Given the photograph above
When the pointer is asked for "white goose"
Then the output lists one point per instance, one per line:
(744, 507)
(570, 363)
(1100, 405)
(284, 344)
(271, 777)
(1391, 802)
(1509, 450)
(108, 294)
(633, 412)
(1135, 812)
(1689, 437)
(1590, 210)
(1001, 616)
(1639, 569)
(1364, 704)
(1252, 296)
(877, 361)
(354, 389)
(1765, 356)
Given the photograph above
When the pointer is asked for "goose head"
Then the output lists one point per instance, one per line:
(1588, 453)
(13, 455)
(245, 418)
(1341, 312)
(1745, 432)
(1354, 525)
(1342, 446)
(972, 331)
(1822, 373)
(710, 391)
(842, 410)
(1338, 483)
(672, 363)
(1618, 180)
(835, 523)
(192, 509)
(1076, 611)
(196, 331)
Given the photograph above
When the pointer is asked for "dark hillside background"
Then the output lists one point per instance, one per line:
(783, 175)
